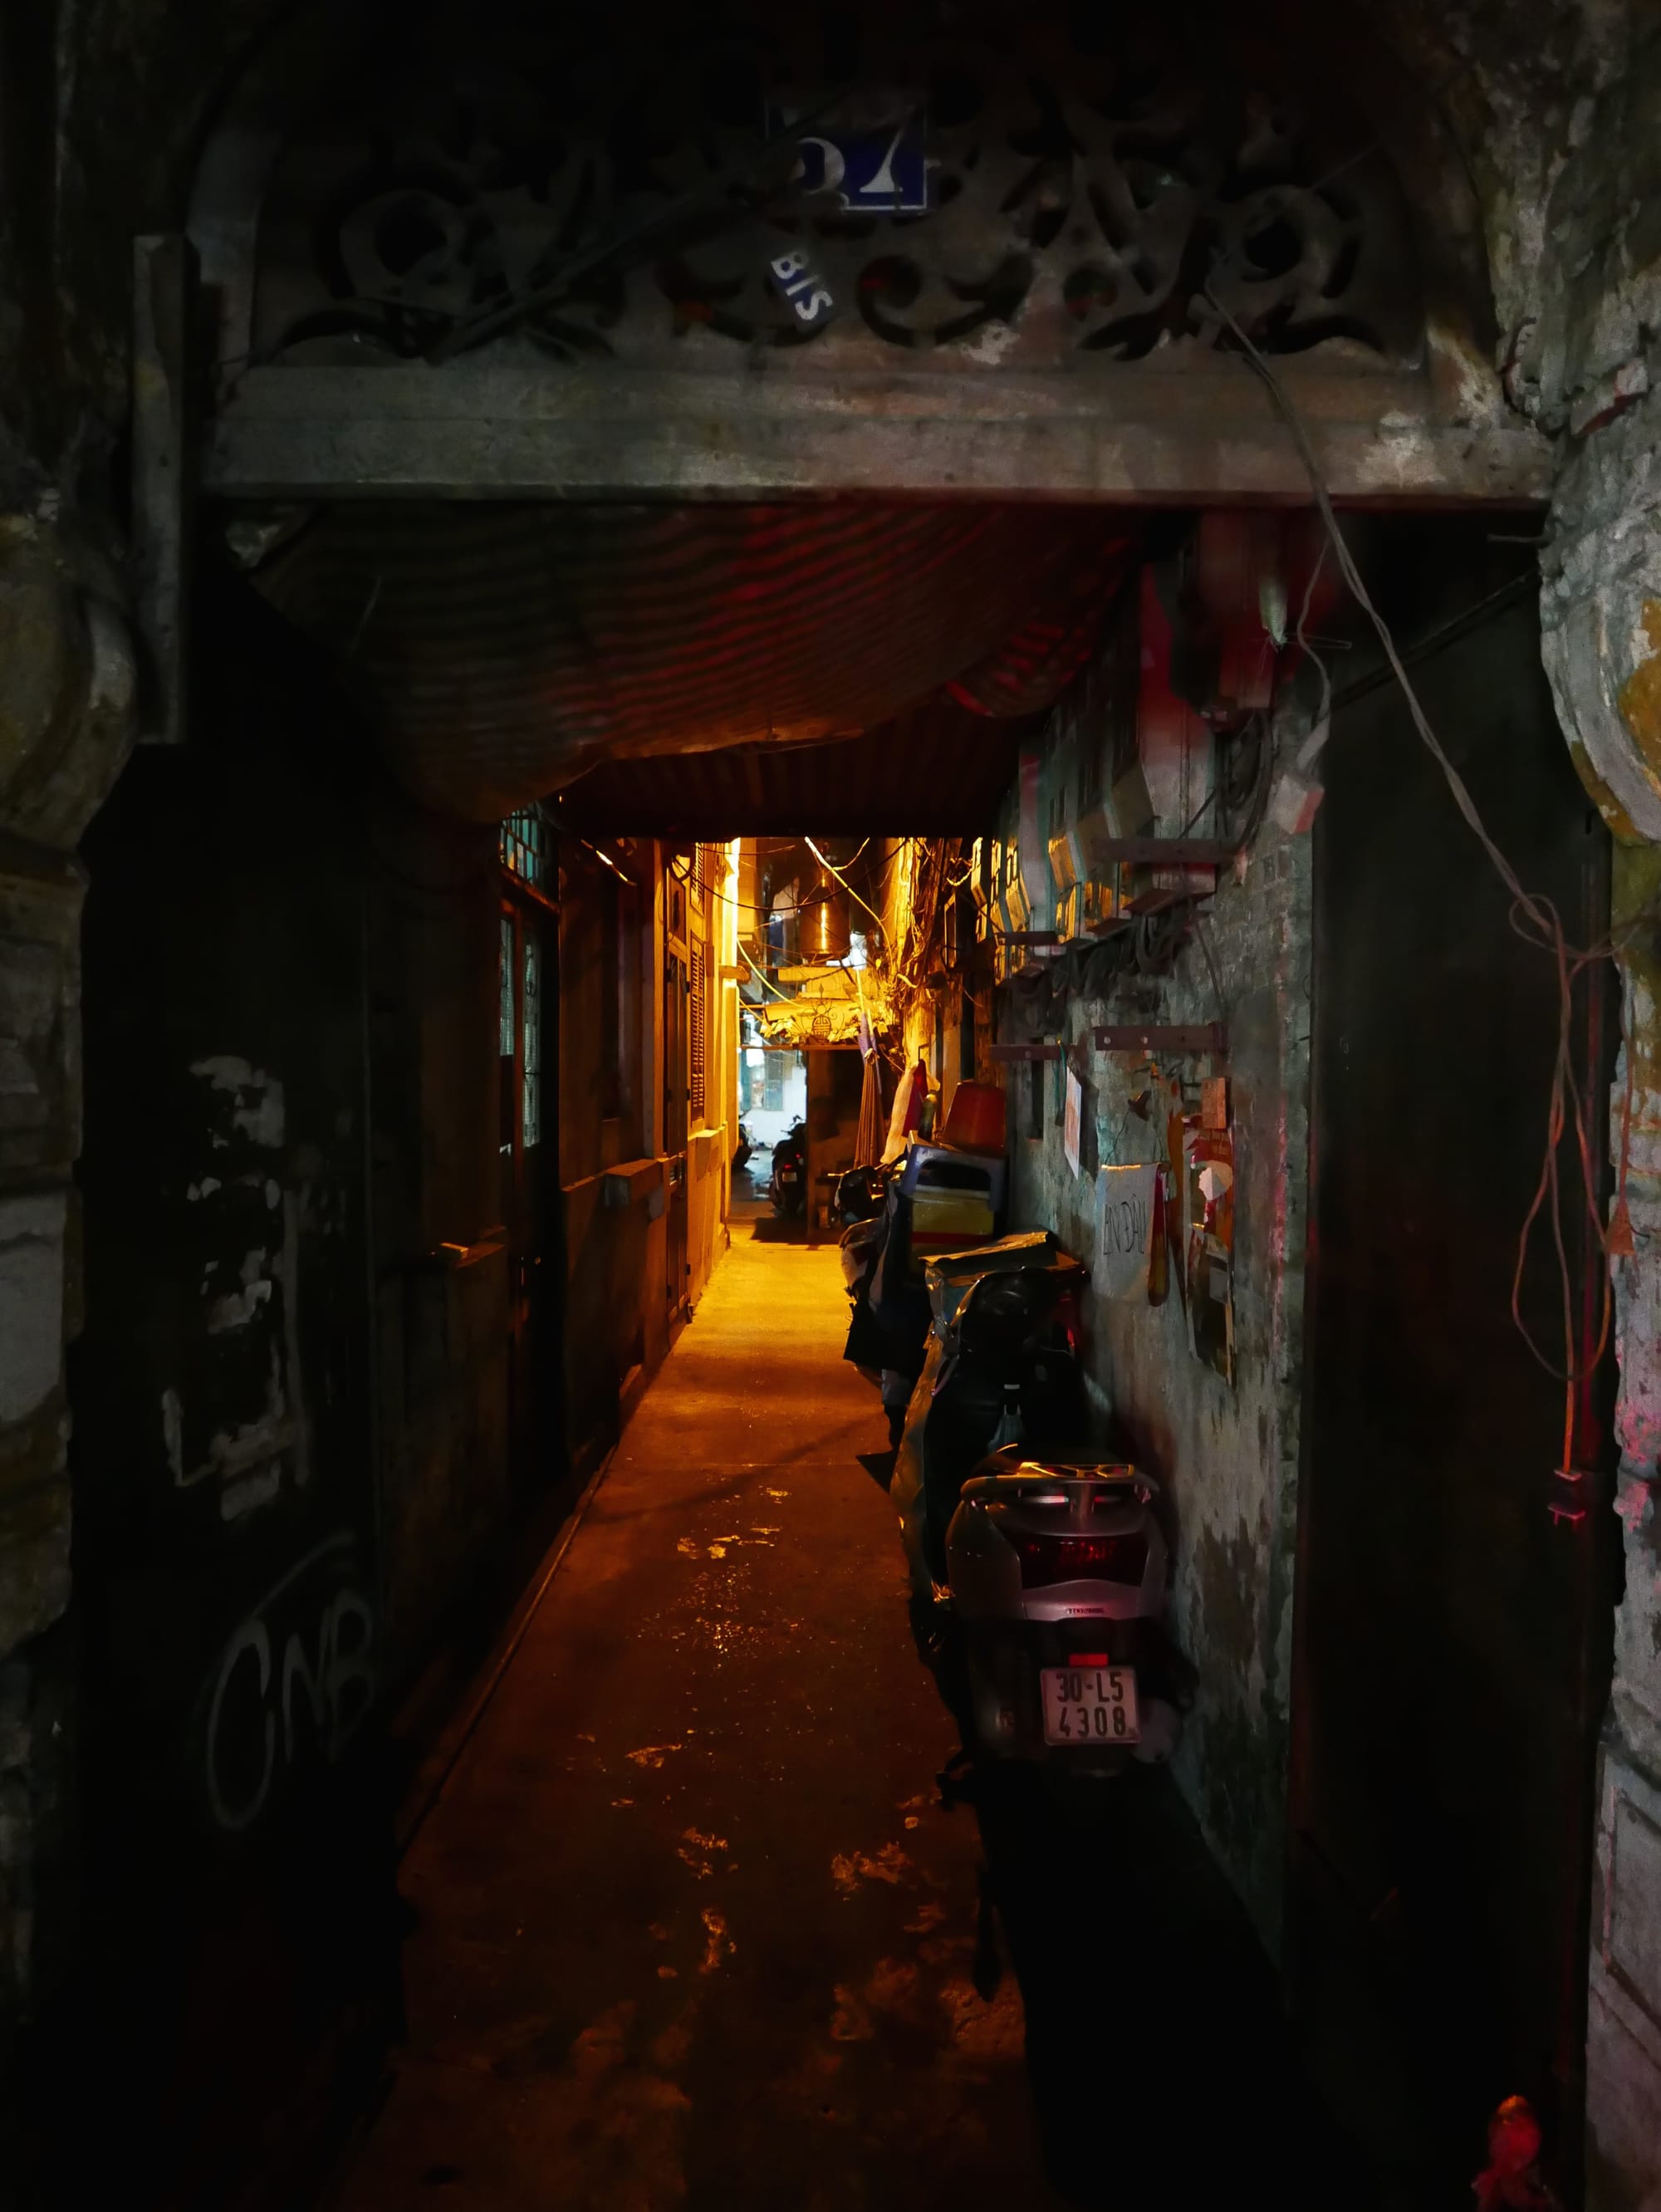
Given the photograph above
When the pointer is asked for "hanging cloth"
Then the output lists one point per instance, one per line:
(868, 1144)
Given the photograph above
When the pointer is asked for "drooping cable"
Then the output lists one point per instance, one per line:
(832, 868)
(1533, 917)
(763, 982)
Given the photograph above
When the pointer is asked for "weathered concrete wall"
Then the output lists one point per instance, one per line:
(66, 695)
(1228, 1456)
(1585, 313)
(1623, 2054)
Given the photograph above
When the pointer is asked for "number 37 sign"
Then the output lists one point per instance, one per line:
(872, 172)
(882, 172)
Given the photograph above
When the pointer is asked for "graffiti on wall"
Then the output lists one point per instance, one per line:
(292, 1683)
(235, 1419)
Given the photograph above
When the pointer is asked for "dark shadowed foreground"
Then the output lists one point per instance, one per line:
(693, 1922)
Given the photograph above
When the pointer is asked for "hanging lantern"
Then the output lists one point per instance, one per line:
(824, 922)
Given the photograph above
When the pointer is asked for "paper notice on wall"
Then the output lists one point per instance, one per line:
(1072, 1123)
(1210, 1156)
(1130, 1217)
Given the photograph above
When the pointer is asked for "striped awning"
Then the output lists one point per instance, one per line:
(938, 770)
(503, 649)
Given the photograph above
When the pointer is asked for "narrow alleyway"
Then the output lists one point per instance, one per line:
(692, 1923)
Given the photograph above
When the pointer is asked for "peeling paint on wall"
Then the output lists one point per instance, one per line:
(258, 1113)
(248, 1290)
(1640, 695)
(1229, 1457)
(32, 1230)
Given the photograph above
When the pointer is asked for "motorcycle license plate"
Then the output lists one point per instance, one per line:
(1090, 1705)
(786, 1174)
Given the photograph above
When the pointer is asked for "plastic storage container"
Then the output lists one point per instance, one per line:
(976, 1121)
(952, 1199)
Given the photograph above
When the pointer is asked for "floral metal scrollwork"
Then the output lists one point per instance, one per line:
(1097, 195)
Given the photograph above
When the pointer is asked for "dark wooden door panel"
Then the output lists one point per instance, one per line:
(1447, 1625)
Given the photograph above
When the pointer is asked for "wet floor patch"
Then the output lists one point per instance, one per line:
(695, 1927)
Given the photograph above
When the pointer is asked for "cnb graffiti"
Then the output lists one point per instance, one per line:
(293, 1683)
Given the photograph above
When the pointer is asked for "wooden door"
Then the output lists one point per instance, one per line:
(529, 980)
(1452, 1636)
(677, 1093)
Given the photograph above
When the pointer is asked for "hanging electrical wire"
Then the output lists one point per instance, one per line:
(761, 979)
(832, 868)
(1536, 920)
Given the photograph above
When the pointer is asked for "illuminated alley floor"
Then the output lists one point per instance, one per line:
(692, 1924)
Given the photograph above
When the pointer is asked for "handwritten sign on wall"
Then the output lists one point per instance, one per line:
(1128, 1218)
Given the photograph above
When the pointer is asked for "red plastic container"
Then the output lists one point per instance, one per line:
(975, 1123)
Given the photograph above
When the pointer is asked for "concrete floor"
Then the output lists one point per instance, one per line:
(693, 1926)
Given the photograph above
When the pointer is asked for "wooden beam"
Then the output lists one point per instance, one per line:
(1165, 852)
(1014, 1052)
(1172, 1037)
(1129, 435)
(1167, 896)
(165, 442)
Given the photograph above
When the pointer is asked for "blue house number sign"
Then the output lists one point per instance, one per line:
(871, 173)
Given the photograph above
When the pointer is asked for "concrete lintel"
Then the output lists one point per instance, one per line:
(1130, 438)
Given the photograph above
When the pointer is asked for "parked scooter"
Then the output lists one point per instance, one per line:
(889, 1325)
(999, 1367)
(744, 1149)
(789, 1188)
(1051, 1558)
(1057, 1569)
(861, 1195)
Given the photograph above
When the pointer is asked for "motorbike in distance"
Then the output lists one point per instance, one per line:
(789, 1188)
(862, 1194)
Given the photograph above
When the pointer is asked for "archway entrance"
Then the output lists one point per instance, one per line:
(804, 420)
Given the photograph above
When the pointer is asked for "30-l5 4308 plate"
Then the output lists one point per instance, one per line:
(1094, 1705)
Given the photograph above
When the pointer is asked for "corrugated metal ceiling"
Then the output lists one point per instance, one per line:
(937, 772)
(503, 649)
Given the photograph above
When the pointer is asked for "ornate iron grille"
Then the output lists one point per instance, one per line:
(1057, 186)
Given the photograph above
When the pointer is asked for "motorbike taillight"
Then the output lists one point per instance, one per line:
(1080, 1558)
(1066, 1317)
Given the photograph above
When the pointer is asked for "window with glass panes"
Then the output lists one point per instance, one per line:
(696, 1054)
(524, 845)
(532, 1061)
(506, 1036)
